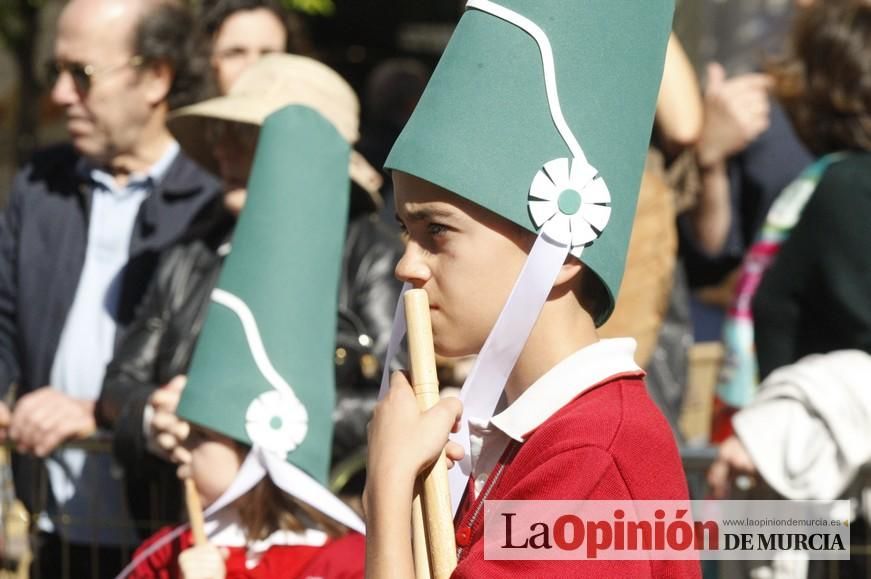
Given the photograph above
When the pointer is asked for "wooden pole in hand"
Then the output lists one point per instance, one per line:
(195, 512)
(419, 547)
(435, 495)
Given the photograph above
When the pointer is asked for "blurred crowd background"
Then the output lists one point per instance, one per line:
(722, 153)
(353, 37)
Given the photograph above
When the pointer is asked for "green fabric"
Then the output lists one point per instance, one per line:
(483, 129)
(285, 265)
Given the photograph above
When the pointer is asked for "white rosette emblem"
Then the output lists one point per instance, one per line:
(569, 199)
(276, 422)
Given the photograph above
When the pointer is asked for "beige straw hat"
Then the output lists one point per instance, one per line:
(273, 82)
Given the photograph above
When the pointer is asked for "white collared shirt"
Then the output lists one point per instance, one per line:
(547, 395)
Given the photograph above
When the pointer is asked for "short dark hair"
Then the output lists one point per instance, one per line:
(163, 34)
(593, 295)
(218, 11)
(825, 84)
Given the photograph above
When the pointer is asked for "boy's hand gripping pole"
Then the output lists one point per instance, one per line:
(431, 511)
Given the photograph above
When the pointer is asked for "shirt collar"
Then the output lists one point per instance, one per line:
(155, 174)
(565, 382)
(226, 530)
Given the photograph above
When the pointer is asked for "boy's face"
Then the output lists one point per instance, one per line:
(465, 257)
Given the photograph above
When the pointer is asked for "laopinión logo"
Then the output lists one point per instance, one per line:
(515, 530)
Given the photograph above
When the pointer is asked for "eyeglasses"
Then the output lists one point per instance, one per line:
(83, 74)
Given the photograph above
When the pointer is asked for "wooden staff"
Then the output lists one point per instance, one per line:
(195, 512)
(440, 557)
(422, 569)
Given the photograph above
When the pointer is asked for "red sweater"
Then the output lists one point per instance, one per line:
(609, 443)
(341, 558)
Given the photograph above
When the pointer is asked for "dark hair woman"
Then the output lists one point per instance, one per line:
(814, 298)
(235, 33)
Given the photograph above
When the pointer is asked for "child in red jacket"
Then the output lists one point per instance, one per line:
(264, 534)
(515, 181)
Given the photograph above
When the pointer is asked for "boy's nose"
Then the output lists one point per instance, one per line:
(411, 268)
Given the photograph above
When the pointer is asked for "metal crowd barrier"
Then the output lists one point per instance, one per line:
(21, 530)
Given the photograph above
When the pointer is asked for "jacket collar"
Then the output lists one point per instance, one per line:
(183, 177)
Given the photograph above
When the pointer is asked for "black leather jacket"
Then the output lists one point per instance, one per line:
(159, 344)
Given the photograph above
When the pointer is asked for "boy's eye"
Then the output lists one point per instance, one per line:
(435, 229)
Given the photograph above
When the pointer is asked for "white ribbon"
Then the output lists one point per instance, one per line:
(396, 336)
(486, 381)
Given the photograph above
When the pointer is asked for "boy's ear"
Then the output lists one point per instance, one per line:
(569, 273)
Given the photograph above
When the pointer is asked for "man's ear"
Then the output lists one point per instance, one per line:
(570, 273)
(158, 79)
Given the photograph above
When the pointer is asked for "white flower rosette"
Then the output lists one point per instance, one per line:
(276, 422)
(570, 201)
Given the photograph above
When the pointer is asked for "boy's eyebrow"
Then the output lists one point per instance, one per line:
(426, 213)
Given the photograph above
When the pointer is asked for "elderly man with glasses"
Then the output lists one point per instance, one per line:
(79, 239)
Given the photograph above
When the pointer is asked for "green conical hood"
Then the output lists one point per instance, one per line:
(483, 128)
(263, 368)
